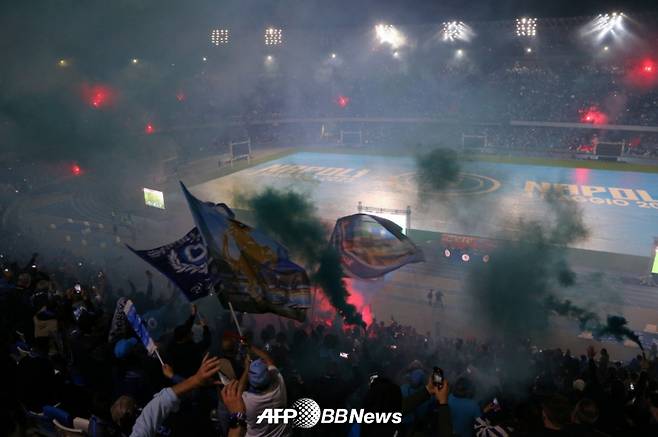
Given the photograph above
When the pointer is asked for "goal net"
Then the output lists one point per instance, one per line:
(470, 141)
(351, 138)
(240, 150)
(609, 149)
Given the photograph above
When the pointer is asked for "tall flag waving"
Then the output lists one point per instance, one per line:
(371, 246)
(253, 272)
(185, 261)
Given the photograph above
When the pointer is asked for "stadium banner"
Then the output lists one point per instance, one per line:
(371, 246)
(253, 271)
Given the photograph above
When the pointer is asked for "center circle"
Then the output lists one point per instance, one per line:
(467, 184)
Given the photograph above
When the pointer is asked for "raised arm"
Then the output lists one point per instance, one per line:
(262, 355)
(168, 399)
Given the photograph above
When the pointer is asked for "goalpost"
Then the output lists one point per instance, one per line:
(237, 150)
(351, 138)
(608, 150)
(470, 141)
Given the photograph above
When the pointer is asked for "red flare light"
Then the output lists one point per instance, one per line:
(343, 101)
(325, 313)
(644, 74)
(97, 96)
(76, 170)
(149, 129)
(648, 67)
(593, 115)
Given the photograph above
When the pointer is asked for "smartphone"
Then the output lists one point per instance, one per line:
(77, 288)
(344, 355)
(632, 386)
(495, 402)
(437, 377)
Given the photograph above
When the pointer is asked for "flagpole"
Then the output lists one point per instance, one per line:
(157, 354)
(235, 319)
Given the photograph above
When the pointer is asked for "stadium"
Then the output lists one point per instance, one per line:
(255, 219)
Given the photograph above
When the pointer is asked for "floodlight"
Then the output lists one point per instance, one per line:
(219, 36)
(526, 27)
(389, 34)
(455, 30)
(604, 24)
(135, 61)
(273, 36)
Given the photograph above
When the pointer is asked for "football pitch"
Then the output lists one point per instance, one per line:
(619, 202)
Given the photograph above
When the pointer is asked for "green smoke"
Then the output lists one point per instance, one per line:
(617, 326)
(437, 170)
(566, 308)
(516, 290)
(292, 219)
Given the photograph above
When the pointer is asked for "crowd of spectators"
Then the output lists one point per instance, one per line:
(63, 359)
(553, 90)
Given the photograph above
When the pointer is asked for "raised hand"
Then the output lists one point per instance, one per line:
(205, 376)
(232, 397)
(168, 371)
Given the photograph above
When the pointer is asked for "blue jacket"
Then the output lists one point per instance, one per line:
(464, 412)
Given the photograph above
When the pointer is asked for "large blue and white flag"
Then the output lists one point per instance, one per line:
(253, 271)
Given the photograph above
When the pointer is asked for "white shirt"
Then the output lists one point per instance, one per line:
(255, 403)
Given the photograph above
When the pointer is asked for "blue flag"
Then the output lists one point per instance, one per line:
(253, 271)
(371, 246)
(139, 327)
(185, 262)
